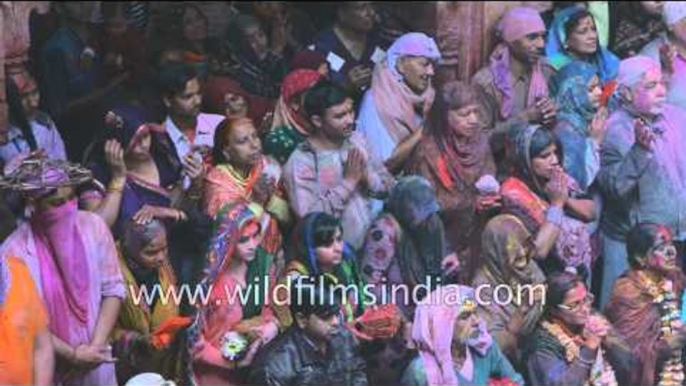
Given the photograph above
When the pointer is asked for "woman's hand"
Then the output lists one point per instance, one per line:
(250, 355)
(90, 356)
(266, 332)
(114, 156)
(264, 189)
(598, 126)
(148, 212)
(557, 188)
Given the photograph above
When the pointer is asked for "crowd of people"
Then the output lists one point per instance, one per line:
(152, 169)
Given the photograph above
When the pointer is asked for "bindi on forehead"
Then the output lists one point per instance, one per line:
(576, 294)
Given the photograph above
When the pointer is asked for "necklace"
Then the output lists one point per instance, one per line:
(662, 292)
(602, 373)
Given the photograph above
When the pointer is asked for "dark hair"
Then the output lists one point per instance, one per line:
(559, 283)
(173, 78)
(454, 95)
(235, 32)
(176, 14)
(16, 112)
(313, 299)
(641, 238)
(220, 137)
(323, 96)
(541, 140)
(317, 229)
(324, 228)
(575, 19)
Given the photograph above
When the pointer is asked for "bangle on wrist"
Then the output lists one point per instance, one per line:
(554, 216)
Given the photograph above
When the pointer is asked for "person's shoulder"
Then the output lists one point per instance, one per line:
(548, 70)
(44, 120)
(91, 221)
(301, 154)
(278, 355)
(483, 77)
(652, 49)
(325, 40)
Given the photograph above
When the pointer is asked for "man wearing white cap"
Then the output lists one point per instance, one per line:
(643, 166)
(670, 50)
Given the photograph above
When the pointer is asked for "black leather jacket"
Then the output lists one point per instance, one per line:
(292, 359)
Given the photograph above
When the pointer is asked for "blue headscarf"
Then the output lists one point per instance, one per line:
(606, 63)
(306, 235)
(572, 95)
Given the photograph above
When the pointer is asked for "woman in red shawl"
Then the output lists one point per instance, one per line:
(290, 125)
(645, 306)
(453, 157)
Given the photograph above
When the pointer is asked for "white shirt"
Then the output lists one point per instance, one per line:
(47, 138)
(204, 133)
(204, 136)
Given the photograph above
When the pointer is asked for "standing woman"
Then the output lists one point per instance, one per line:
(453, 155)
(548, 201)
(508, 260)
(135, 171)
(581, 121)
(291, 124)
(237, 263)
(322, 253)
(242, 172)
(144, 262)
(574, 36)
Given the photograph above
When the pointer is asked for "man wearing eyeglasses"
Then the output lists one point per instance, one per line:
(573, 345)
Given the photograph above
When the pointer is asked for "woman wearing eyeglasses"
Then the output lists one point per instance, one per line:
(572, 344)
(645, 307)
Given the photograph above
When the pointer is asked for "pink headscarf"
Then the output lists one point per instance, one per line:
(515, 24)
(63, 267)
(395, 102)
(434, 321)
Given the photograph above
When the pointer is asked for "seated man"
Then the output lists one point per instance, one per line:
(333, 171)
(304, 354)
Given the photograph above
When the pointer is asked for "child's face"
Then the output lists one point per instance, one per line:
(116, 26)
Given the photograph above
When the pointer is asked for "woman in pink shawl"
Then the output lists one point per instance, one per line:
(73, 261)
(470, 357)
(394, 110)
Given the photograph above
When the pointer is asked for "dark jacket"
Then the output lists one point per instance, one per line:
(292, 359)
